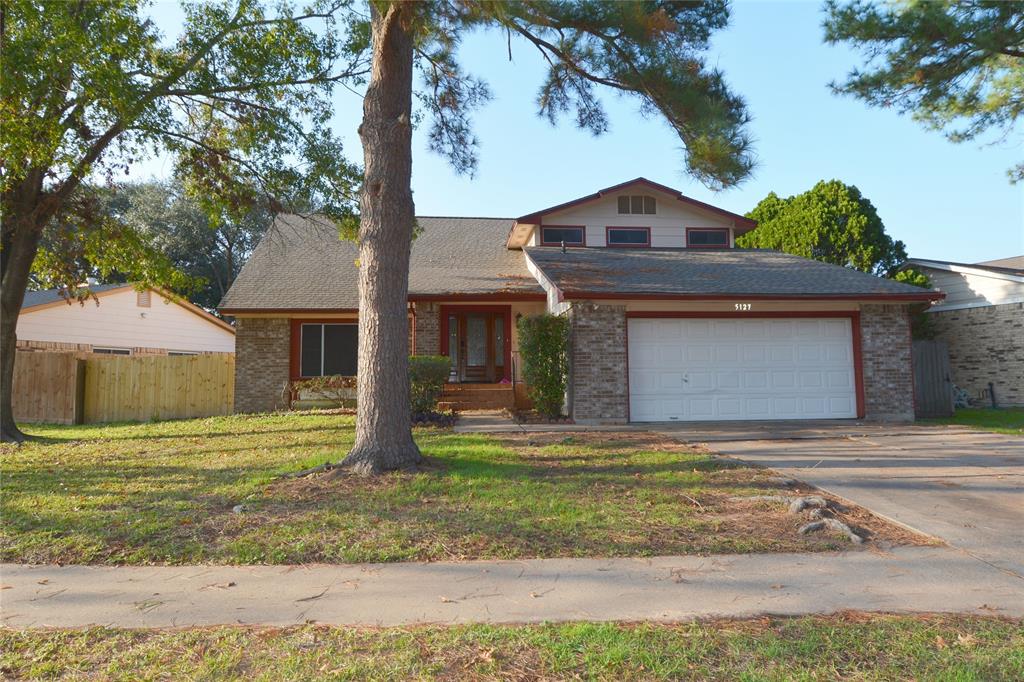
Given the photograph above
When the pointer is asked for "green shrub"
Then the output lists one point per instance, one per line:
(543, 344)
(427, 374)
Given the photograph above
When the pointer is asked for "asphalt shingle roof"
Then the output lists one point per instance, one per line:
(302, 264)
(34, 298)
(680, 272)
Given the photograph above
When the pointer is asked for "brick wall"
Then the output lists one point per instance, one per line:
(261, 363)
(886, 357)
(597, 375)
(428, 329)
(985, 345)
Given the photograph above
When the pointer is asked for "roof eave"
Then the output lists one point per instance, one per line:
(924, 297)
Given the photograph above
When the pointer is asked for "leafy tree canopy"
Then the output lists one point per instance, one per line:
(831, 222)
(239, 97)
(955, 65)
(208, 248)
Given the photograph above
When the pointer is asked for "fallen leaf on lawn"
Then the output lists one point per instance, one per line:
(940, 643)
(967, 641)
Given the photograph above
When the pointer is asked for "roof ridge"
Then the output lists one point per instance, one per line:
(465, 217)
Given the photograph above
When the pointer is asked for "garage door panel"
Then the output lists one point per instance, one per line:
(711, 369)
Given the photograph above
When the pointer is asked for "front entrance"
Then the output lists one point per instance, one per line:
(476, 340)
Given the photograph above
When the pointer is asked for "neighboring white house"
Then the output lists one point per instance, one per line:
(123, 321)
(982, 321)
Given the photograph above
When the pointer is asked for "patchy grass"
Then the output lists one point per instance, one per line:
(851, 646)
(1009, 421)
(165, 493)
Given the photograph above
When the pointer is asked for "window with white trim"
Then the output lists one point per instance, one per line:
(637, 204)
(328, 349)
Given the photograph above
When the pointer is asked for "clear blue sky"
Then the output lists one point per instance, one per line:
(945, 201)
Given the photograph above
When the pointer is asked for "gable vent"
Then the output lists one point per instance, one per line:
(142, 298)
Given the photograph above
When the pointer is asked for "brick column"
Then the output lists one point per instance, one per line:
(598, 377)
(428, 329)
(262, 360)
(887, 364)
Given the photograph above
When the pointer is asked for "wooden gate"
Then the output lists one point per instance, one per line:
(933, 384)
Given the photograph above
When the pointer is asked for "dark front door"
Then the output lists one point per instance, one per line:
(477, 345)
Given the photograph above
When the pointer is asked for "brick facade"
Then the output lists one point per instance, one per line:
(597, 374)
(428, 329)
(261, 363)
(986, 344)
(886, 360)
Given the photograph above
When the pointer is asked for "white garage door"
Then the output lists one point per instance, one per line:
(719, 369)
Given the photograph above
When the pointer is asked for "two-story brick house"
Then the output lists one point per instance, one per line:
(669, 321)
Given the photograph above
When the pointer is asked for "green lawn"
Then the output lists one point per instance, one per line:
(1000, 421)
(165, 493)
(848, 647)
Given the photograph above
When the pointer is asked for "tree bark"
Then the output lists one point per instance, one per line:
(21, 237)
(383, 433)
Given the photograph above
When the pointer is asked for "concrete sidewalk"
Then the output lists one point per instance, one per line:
(914, 579)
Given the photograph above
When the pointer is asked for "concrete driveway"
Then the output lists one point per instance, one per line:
(963, 486)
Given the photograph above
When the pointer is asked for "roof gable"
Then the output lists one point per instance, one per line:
(41, 300)
(523, 225)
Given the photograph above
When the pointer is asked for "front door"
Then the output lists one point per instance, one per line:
(477, 345)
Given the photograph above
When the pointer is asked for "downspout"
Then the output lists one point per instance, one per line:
(412, 341)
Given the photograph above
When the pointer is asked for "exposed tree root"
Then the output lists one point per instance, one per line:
(798, 504)
(819, 509)
(831, 524)
(326, 466)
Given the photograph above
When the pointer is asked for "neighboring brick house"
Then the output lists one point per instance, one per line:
(982, 322)
(669, 322)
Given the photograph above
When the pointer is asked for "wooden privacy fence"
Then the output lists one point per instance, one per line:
(48, 387)
(933, 384)
(62, 388)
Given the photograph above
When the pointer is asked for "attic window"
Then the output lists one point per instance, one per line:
(142, 299)
(637, 204)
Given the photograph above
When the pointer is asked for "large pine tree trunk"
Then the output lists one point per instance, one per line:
(383, 433)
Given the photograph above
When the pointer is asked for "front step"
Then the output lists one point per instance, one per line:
(477, 397)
